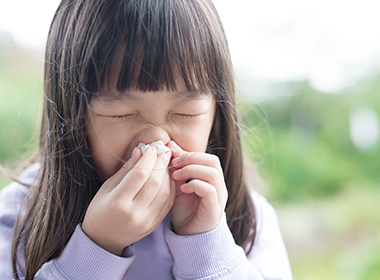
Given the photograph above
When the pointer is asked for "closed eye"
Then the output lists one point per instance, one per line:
(186, 115)
(123, 117)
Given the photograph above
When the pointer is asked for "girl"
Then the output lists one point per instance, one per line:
(118, 73)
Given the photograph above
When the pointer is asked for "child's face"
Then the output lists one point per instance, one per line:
(117, 125)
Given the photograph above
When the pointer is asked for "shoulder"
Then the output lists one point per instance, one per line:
(29, 175)
(12, 195)
(11, 198)
(14, 191)
(267, 226)
(265, 213)
(269, 249)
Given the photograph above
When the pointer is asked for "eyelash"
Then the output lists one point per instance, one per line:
(122, 117)
(186, 115)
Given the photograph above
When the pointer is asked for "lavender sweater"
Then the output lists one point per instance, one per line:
(160, 255)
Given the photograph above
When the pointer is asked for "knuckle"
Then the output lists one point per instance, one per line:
(215, 160)
(135, 219)
(165, 194)
(140, 174)
(191, 154)
(188, 168)
(226, 194)
(215, 173)
(212, 191)
(126, 167)
(121, 209)
(155, 182)
(186, 157)
(164, 159)
(147, 227)
(142, 227)
(116, 206)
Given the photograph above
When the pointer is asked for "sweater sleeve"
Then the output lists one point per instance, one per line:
(10, 200)
(214, 254)
(81, 258)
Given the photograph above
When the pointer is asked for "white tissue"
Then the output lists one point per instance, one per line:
(161, 148)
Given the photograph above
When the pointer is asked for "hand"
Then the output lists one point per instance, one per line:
(131, 203)
(200, 203)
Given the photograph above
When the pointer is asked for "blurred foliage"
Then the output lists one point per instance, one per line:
(334, 238)
(305, 146)
(20, 103)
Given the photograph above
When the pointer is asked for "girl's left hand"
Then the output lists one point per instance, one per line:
(200, 203)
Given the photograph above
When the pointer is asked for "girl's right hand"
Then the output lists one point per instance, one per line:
(131, 203)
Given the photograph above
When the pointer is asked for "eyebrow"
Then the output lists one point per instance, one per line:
(113, 97)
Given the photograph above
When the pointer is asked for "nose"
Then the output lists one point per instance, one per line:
(151, 134)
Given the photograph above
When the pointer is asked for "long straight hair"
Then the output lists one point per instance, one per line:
(152, 43)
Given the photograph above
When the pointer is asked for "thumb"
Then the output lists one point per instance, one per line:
(176, 150)
(124, 170)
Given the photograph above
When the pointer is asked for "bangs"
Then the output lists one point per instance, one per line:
(148, 45)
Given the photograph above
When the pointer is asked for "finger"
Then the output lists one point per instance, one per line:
(162, 202)
(199, 172)
(207, 193)
(155, 181)
(132, 182)
(198, 158)
(127, 166)
(176, 150)
(204, 173)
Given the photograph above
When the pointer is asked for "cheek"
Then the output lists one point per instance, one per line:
(195, 139)
(109, 147)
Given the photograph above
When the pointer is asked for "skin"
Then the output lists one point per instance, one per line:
(140, 189)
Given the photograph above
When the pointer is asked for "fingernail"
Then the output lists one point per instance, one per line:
(153, 148)
(134, 152)
(169, 154)
(173, 147)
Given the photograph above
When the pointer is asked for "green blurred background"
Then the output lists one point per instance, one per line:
(324, 189)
